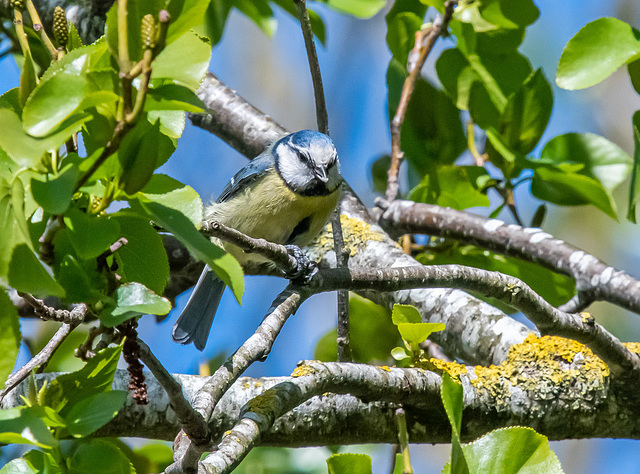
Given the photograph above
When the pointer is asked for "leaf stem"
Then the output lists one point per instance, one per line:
(37, 25)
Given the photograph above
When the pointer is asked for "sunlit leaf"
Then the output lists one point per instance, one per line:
(596, 51)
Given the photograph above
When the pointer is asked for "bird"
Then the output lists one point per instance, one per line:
(285, 195)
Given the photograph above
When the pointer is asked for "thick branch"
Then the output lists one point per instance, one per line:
(233, 119)
(595, 280)
(581, 405)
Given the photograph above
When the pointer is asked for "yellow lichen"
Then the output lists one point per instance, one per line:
(586, 317)
(384, 367)
(633, 346)
(302, 370)
(355, 233)
(452, 368)
(546, 367)
(257, 384)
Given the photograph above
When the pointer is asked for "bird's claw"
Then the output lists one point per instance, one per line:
(304, 266)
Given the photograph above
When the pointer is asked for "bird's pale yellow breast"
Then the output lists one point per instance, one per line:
(271, 211)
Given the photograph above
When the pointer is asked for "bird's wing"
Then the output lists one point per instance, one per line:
(254, 170)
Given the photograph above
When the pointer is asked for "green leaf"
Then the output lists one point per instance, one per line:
(186, 15)
(33, 461)
(634, 74)
(602, 159)
(432, 131)
(415, 333)
(185, 61)
(74, 279)
(9, 336)
(513, 449)
(451, 394)
(404, 313)
(634, 187)
(143, 150)
(134, 299)
(349, 463)
(359, 8)
(173, 97)
(143, 258)
(18, 262)
(596, 51)
(94, 412)
(489, 59)
(90, 458)
(152, 457)
(52, 103)
(401, 30)
(259, 12)
(21, 425)
(172, 193)
(27, 150)
(28, 274)
(90, 236)
(512, 14)
(379, 173)
(216, 19)
(74, 41)
(400, 353)
(571, 189)
(526, 114)
(165, 212)
(28, 77)
(171, 123)
(458, 187)
(55, 195)
(95, 377)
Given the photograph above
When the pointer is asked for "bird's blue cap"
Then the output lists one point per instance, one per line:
(304, 138)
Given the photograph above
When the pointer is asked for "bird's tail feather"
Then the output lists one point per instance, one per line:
(196, 318)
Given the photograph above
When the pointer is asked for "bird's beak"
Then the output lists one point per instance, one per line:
(321, 173)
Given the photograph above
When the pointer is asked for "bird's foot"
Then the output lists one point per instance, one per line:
(304, 266)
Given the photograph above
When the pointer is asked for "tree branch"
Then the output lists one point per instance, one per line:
(40, 360)
(595, 280)
(257, 347)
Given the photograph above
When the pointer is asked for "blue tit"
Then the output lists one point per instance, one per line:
(285, 195)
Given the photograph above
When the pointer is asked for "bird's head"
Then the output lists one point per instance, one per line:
(307, 161)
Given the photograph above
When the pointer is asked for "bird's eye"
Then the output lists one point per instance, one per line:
(303, 157)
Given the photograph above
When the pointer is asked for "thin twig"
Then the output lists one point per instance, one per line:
(190, 420)
(277, 253)
(425, 39)
(403, 437)
(322, 117)
(47, 313)
(342, 261)
(41, 359)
